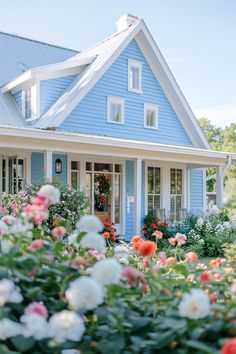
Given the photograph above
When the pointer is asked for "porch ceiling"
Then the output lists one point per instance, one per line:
(40, 140)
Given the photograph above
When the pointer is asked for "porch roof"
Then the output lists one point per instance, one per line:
(69, 142)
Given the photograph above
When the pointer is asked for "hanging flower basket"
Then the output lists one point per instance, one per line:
(102, 189)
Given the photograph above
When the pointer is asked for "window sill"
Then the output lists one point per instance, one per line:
(153, 128)
(120, 123)
(140, 92)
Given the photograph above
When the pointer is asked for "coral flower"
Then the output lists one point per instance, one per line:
(172, 241)
(171, 260)
(147, 248)
(106, 234)
(135, 239)
(229, 347)
(215, 262)
(136, 245)
(58, 232)
(191, 257)
(158, 234)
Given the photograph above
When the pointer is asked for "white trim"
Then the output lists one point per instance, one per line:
(138, 65)
(204, 202)
(137, 195)
(48, 165)
(150, 107)
(35, 103)
(185, 188)
(118, 101)
(189, 190)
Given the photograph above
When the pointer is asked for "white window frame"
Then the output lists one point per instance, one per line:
(115, 100)
(155, 109)
(138, 65)
(34, 102)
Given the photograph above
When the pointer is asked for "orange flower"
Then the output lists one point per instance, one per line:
(215, 262)
(213, 297)
(135, 239)
(54, 223)
(191, 257)
(136, 245)
(106, 234)
(147, 248)
(229, 347)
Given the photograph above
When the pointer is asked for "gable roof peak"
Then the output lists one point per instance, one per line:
(125, 21)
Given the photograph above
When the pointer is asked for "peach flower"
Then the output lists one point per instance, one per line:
(158, 234)
(191, 257)
(171, 260)
(180, 238)
(172, 241)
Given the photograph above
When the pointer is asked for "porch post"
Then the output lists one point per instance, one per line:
(0, 180)
(219, 186)
(137, 195)
(48, 165)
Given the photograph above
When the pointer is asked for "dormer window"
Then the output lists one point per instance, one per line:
(29, 102)
(135, 76)
(115, 110)
(150, 116)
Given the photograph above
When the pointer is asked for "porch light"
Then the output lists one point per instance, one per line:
(58, 166)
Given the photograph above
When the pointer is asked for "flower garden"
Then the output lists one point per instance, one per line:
(67, 285)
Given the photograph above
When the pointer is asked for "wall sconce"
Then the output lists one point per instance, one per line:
(58, 166)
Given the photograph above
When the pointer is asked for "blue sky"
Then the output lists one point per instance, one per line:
(196, 37)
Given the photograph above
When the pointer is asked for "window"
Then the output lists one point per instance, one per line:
(150, 116)
(176, 191)
(29, 102)
(135, 76)
(115, 110)
(13, 174)
(75, 174)
(154, 189)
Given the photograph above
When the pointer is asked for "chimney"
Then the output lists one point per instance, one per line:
(125, 21)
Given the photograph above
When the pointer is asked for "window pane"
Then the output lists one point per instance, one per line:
(117, 199)
(179, 181)
(74, 179)
(74, 165)
(134, 76)
(150, 118)
(172, 181)
(150, 204)
(20, 168)
(157, 202)
(178, 202)
(172, 203)
(157, 180)
(103, 167)
(88, 166)
(117, 168)
(88, 189)
(150, 180)
(115, 112)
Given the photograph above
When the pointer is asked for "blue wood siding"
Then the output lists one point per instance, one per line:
(18, 99)
(196, 190)
(51, 90)
(90, 116)
(129, 192)
(37, 167)
(62, 177)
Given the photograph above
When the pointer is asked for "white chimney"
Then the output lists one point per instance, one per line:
(125, 21)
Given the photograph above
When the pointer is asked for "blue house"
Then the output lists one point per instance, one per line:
(110, 119)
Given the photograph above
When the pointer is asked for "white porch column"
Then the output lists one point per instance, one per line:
(0, 180)
(219, 186)
(48, 165)
(137, 195)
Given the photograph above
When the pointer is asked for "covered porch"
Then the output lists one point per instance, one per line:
(140, 177)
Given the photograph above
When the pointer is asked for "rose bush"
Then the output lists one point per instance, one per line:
(81, 297)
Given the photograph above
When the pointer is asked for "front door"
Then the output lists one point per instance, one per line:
(103, 185)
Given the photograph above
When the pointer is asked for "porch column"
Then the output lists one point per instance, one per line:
(219, 186)
(0, 180)
(137, 195)
(48, 165)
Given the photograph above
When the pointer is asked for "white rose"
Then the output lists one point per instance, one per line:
(8, 219)
(9, 329)
(66, 325)
(107, 271)
(84, 293)
(89, 223)
(35, 326)
(6, 246)
(51, 193)
(93, 240)
(9, 292)
(195, 305)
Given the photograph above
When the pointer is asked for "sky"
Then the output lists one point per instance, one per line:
(196, 37)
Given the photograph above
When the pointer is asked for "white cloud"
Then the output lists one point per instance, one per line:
(221, 115)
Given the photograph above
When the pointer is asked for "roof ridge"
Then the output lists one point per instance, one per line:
(38, 41)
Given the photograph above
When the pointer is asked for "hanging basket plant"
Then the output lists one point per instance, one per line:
(102, 189)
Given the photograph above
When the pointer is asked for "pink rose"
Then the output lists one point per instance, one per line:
(58, 232)
(132, 275)
(37, 308)
(180, 238)
(35, 245)
(233, 287)
(172, 241)
(158, 234)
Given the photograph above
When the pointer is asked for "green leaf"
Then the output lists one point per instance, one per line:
(205, 348)
(23, 344)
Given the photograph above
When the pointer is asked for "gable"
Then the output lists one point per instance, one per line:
(90, 115)
(51, 90)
